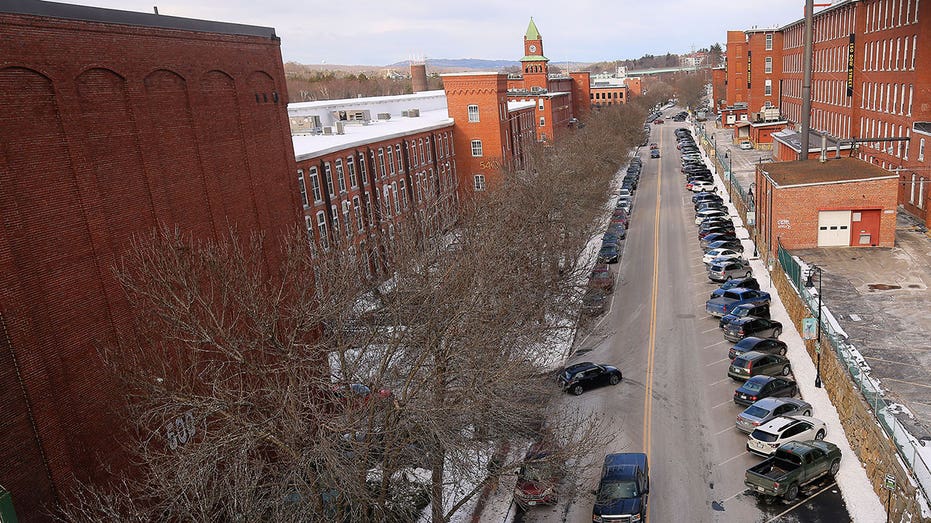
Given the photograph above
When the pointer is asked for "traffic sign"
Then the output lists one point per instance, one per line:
(889, 484)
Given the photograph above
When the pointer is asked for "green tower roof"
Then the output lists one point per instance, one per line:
(532, 32)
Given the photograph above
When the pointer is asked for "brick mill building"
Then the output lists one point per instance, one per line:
(871, 87)
(114, 123)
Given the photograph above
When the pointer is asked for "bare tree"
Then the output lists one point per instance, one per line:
(304, 390)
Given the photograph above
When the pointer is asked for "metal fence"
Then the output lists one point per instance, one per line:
(906, 445)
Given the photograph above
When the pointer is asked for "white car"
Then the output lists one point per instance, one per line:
(703, 186)
(720, 253)
(765, 439)
(623, 192)
(746, 145)
(701, 216)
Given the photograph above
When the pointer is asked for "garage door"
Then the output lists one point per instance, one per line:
(833, 228)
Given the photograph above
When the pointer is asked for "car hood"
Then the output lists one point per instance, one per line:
(620, 506)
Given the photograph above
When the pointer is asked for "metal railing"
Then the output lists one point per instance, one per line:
(905, 444)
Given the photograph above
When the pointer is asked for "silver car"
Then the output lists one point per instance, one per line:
(768, 408)
(727, 269)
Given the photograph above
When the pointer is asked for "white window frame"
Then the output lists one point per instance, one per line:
(302, 188)
(768, 64)
(315, 185)
(473, 113)
(322, 230)
(351, 167)
(340, 177)
(477, 151)
(769, 41)
(478, 182)
(328, 177)
(542, 121)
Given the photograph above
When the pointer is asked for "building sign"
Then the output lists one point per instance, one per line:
(809, 328)
(850, 66)
(748, 69)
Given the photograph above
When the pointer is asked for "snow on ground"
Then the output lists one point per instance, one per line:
(863, 503)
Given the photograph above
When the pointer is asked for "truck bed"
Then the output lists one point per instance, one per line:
(774, 469)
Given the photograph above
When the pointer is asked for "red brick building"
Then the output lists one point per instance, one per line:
(114, 123)
(840, 202)
(871, 83)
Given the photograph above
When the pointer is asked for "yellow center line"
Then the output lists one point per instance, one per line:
(651, 347)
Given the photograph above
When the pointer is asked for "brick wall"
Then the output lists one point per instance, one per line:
(110, 130)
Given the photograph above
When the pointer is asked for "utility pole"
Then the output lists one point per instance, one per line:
(806, 79)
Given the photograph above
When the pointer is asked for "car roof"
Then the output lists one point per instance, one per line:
(779, 425)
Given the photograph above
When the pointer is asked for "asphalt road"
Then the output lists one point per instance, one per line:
(675, 402)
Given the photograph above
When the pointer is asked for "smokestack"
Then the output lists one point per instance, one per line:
(824, 147)
(419, 76)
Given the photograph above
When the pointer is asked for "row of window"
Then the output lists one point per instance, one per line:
(888, 98)
(889, 57)
(916, 195)
(884, 14)
(607, 95)
(837, 23)
(874, 128)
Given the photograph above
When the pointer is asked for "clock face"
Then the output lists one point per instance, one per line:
(533, 48)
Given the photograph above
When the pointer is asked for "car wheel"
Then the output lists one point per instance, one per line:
(777, 333)
(748, 274)
(820, 435)
(806, 413)
(782, 352)
(615, 379)
(577, 390)
(835, 466)
(791, 493)
(785, 370)
(727, 278)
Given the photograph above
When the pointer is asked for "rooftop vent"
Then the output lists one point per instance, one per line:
(384, 116)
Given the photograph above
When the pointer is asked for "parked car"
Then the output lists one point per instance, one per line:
(751, 326)
(768, 408)
(703, 186)
(792, 466)
(608, 253)
(757, 310)
(625, 202)
(720, 253)
(654, 146)
(712, 238)
(752, 363)
(759, 387)
(765, 439)
(729, 269)
(745, 145)
(746, 283)
(620, 219)
(700, 216)
(618, 230)
(537, 479)
(725, 303)
(601, 278)
(730, 244)
(706, 196)
(594, 302)
(714, 228)
(658, 121)
(654, 153)
(587, 375)
(624, 488)
(625, 193)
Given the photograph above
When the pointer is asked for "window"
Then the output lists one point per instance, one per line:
(387, 201)
(301, 187)
(394, 196)
(426, 142)
(397, 153)
(403, 189)
(921, 150)
(473, 113)
(328, 176)
(381, 162)
(309, 225)
(769, 41)
(479, 182)
(335, 213)
(540, 105)
(423, 157)
(340, 177)
(321, 230)
(476, 148)
(362, 172)
(911, 195)
(346, 222)
(768, 65)
(315, 184)
(768, 87)
(357, 210)
(542, 122)
(391, 159)
(351, 167)
(368, 208)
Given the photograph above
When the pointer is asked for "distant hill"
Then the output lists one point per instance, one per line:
(462, 63)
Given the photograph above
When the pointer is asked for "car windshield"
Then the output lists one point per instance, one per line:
(765, 437)
(752, 386)
(614, 490)
(756, 412)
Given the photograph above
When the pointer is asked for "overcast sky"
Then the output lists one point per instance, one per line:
(380, 32)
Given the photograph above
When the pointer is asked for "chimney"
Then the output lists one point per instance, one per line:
(419, 76)
(824, 147)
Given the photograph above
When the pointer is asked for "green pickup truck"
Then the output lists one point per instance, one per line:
(794, 464)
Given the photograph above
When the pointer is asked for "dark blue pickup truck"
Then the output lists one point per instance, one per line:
(731, 298)
(624, 488)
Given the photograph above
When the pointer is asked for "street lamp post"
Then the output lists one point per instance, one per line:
(809, 283)
(729, 174)
(752, 205)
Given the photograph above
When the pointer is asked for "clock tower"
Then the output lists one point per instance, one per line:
(534, 64)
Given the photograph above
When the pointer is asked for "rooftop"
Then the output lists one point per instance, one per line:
(793, 139)
(834, 170)
(115, 16)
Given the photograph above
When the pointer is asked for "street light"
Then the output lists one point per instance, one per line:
(809, 283)
(730, 175)
(752, 206)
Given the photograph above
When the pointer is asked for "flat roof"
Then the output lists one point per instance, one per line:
(793, 139)
(367, 101)
(358, 135)
(813, 172)
(518, 105)
(132, 18)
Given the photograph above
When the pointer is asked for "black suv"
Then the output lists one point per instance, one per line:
(756, 344)
(750, 326)
(582, 376)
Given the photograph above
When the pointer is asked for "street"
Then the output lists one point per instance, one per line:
(675, 402)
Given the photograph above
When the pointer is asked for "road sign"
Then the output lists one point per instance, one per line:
(889, 484)
(809, 328)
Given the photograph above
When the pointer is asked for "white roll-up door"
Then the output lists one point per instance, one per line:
(833, 228)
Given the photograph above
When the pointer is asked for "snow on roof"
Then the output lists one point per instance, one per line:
(357, 134)
(517, 106)
(433, 98)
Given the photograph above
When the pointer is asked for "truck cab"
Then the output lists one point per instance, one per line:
(623, 489)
